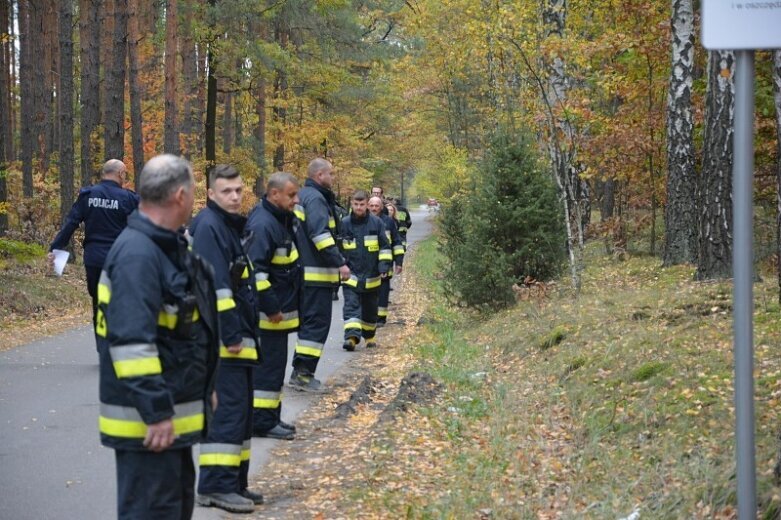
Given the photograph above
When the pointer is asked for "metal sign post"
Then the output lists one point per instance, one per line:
(743, 269)
(745, 25)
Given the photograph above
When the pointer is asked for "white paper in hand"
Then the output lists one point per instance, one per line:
(60, 259)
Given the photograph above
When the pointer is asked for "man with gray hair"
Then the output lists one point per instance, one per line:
(157, 329)
(104, 208)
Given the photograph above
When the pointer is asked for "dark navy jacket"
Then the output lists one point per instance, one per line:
(157, 329)
(274, 255)
(394, 239)
(367, 250)
(217, 237)
(319, 254)
(405, 221)
(104, 208)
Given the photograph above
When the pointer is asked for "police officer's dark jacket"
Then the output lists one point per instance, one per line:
(217, 237)
(367, 250)
(320, 255)
(274, 255)
(394, 239)
(104, 209)
(158, 340)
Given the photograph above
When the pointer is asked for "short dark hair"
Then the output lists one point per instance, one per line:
(222, 171)
(279, 180)
(359, 195)
(379, 188)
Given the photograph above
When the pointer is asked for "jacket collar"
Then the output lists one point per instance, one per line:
(328, 194)
(172, 243)
(233, 220)
(355, 219)
(280, 214)
(110, 181)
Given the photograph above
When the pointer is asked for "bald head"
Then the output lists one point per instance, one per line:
(321, 171)
(375, 205)
(114, 169)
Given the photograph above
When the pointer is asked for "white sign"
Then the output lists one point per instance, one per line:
(741, 24)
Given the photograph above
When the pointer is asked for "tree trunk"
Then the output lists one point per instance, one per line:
(211, 108)
(203, 81)
(65, 97)
(715, 213)
(777, 97)
(259, 93)
(10, 68)
(114, 131)
(281, 35)
(44, 80)
(26, 94)
(136, 91)
(89, 37)
(189, 79)
(39, 35)
(5, 113)
(227, 124)
(171, 142)
(680, 236)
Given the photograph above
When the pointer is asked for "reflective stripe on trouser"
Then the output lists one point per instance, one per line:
(382, 310)
(222, 451)
(155, 485)
(267, 381)
(360, 314)
(315, 316)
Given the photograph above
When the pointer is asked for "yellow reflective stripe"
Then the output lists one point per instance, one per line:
(104, 293)
(352, 281)
(168, 316)
(225, 304)
(349, 244)
(262, 285)
(368, 326)
(245, 274)
(325, 242)
(309, 351)
(245, 455)
(299, 212)
(219, 459)
(289, 321)
(137, 429)
(385, 254)
(281, 256)
(382, 313)
(250, 353)
(138, 367)
(320, 274)
(373, 283)
(371, 243)
(331, 223)
(352, 325)
(398, 250)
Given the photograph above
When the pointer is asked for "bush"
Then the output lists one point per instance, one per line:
(509, 227)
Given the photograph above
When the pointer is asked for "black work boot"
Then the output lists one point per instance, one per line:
(277, 432)
(349, 344)
(256, 498)
(232, 502)
(305, 382)
(288, 426)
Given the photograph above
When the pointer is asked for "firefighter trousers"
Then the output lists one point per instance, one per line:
(360, 314)
(315, 313)
(225, 452)
(268, 380)
(382, 308)
(155, 486)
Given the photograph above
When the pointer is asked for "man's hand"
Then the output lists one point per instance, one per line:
(275, 318)
(397, 269)
(344, 272)
(159, 436)
(383, 275)
(50, 258)
(234, 349)
(215, 401)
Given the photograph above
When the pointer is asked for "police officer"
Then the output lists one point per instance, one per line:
(323, 266)
(274, 255)
(369, 256)
(391, 233)
(104, 208)
(158, 342)
(225, 453)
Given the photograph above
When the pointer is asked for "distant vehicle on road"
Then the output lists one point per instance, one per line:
(433, 204)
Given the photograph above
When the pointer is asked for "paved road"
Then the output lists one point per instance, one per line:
(52, 465)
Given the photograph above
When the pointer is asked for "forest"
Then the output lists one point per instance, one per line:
(632, 118)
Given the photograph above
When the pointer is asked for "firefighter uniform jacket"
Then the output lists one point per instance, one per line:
(367, 250)
(320, 256)
(394, 239)
(104, 209)
(158, 341)
(217, 237)
(274, 255)
(405, 222)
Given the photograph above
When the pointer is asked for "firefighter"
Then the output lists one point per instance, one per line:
(323, 265)
(369, 255)
(274, 255)
(157, 326)
(217, 233)
(104, 209)
(405, 221)
(392, 234)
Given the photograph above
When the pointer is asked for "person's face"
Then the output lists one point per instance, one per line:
(377, 192)
(286, 198)
(326, 177)
(375, 206)
(391, 210)
(359, 207)
(227, 193)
